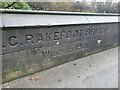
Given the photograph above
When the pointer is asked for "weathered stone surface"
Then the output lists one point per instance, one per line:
(18, 39)
(26, 50)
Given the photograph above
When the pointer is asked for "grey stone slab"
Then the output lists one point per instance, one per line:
(55, 12)
(35, 41)
(18, 64)
(1, 23)
(0, 69)
(41, 20)
(19, 39)
(100, 19)
(76, 74)
(22, 18)
(1, 41)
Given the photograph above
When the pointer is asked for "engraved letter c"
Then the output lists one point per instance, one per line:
(12, 41)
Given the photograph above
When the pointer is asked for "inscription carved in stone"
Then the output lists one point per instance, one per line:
(19, 40)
